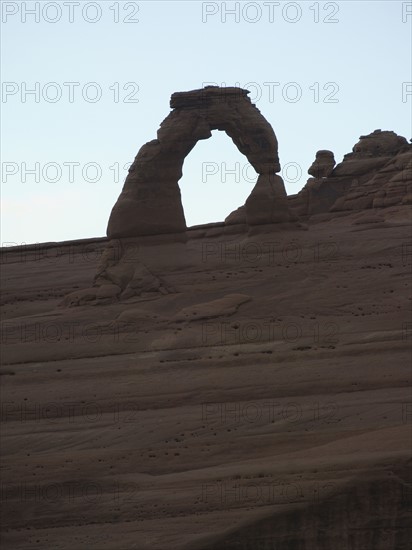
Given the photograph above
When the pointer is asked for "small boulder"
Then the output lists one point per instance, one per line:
(323, 164)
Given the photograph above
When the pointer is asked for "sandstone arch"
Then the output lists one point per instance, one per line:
(150, 202)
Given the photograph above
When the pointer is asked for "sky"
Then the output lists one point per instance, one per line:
(86, 84)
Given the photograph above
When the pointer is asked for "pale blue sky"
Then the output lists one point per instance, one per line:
(363, 58)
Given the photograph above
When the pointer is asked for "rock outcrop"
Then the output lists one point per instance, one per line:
(203, 419)
(121, 267)
(150, 202)
(377, 173)
(226, 306)
(323, 164)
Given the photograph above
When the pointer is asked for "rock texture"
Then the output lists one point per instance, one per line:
(377, 173)
(150, 202)
(151, 423)
(323, 164)
(222, 307)
(336, 522)
(241, 385)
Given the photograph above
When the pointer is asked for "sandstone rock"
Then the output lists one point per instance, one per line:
(237, 216)
(150, 202)
(79, 297)
(134, 279)
(377, 173)
(368, 218)
(293, 412)
(119, 275)
(388, 185)
(135, 317)
(142, 281)
(323, 164)
(371, 153)
(122, 272)
(267, 202)
(109, 258)
(377, 144)
(216, 308)
(108, 292)
(104, 294)
(398, 190)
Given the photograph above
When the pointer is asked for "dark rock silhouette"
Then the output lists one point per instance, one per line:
(377, 173)
(150, 202)
(236, 386)
(323, 164)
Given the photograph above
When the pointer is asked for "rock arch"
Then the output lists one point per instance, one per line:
(150, 202)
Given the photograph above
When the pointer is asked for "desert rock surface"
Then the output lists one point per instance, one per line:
(240, 385)
(284, 421)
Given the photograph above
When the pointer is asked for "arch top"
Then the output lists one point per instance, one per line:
(204, 97)
(150, 201)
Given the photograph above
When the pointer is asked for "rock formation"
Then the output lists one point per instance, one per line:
(323, 164)
(120, 274)
(264, 405)
(150, 202)
(377, 173)
(237, 388)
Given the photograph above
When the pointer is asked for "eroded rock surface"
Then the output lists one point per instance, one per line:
(323, 164)
(226, 306)
(283, 424)
(121, 268)
(150, 202)
(377, 173)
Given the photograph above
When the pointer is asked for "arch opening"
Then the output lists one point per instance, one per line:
(216, 180)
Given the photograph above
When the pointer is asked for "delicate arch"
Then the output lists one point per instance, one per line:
(150, 202)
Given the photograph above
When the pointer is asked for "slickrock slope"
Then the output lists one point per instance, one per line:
(261, 401)
(242, 385)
